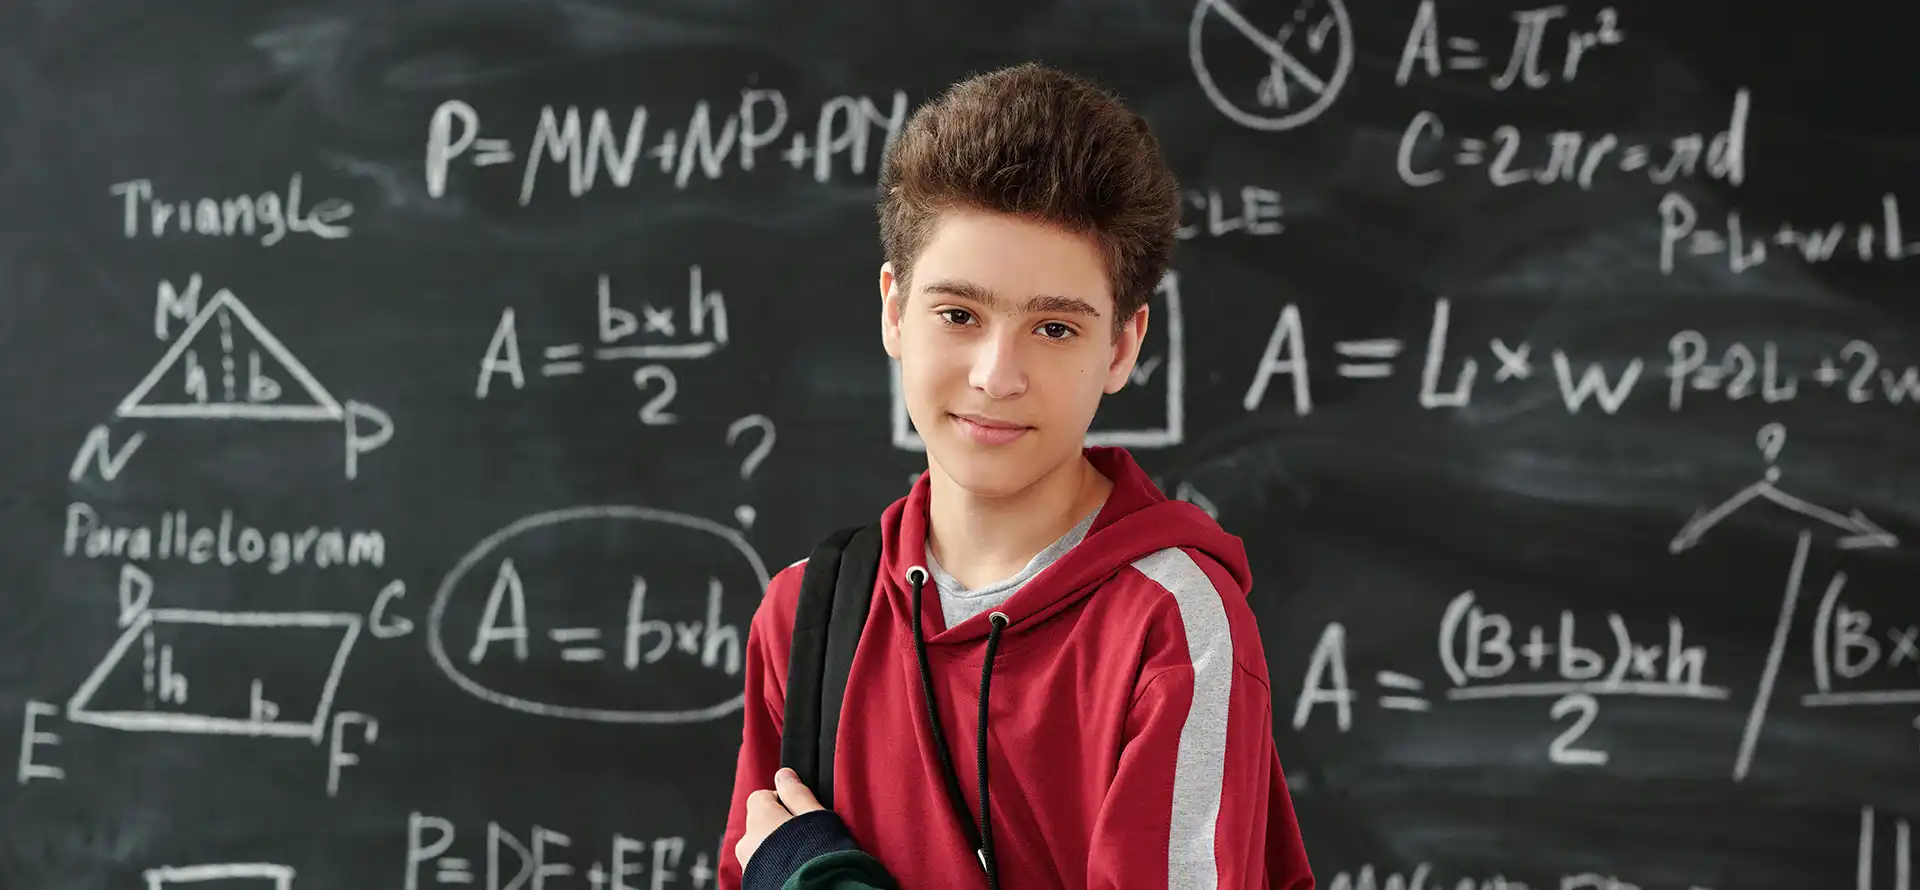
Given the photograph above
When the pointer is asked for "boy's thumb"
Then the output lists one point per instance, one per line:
(794, 793)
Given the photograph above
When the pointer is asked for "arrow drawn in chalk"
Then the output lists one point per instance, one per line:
(1861, 532)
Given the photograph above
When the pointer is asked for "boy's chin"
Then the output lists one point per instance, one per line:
(992, 472)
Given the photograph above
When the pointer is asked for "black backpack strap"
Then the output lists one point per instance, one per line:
(852, 599)
(827, 622)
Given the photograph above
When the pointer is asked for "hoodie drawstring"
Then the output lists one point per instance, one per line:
(979, 835)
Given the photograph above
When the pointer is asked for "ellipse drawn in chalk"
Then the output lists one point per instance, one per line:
(436, 647)
(1289, 79)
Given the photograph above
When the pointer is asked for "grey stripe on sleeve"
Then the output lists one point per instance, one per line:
(1200, 768)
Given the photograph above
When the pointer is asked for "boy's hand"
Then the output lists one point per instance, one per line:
(769, 809)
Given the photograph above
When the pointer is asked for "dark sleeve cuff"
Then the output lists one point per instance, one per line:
(790, 846)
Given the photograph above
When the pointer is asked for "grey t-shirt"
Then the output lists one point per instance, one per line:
(959, 604)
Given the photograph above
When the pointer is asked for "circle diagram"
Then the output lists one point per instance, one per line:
(1271, 69)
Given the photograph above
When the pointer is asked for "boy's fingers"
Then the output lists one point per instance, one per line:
(795, 793)
(764, 804)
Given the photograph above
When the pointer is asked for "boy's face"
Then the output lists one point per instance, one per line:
(1005, 345)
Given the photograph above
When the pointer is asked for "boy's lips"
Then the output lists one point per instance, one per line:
(989, 430)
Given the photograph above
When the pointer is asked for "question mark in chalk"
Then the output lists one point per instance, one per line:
(745, 513)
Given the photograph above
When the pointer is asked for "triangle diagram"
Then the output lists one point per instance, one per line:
(227, 365)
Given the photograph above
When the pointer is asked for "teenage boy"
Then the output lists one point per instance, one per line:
(1043, 615)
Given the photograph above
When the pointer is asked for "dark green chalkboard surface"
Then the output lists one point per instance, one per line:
(406, 403)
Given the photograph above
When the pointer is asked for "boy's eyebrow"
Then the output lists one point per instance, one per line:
(1040, 303)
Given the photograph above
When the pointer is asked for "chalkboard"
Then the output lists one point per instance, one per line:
(407, 403)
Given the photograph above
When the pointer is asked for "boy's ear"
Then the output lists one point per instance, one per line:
(1126, 350)
(889, 312)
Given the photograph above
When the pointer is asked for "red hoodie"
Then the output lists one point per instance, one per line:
(1129, 732)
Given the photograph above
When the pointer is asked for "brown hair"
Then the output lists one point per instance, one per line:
(1035, 142)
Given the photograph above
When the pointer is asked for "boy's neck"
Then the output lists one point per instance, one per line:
(982, 540)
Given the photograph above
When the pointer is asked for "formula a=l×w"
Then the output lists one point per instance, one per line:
(1447, 368)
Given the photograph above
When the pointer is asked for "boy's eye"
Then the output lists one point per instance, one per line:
(1056, 330)
(955, 316)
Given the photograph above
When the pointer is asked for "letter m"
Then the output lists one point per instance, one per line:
(172, 303)
(556, 140)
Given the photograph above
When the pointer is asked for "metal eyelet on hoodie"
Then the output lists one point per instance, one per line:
(979, 834)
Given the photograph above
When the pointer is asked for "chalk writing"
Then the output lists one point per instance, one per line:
(761, 429)
(1252, 210)
(1755, 372)
(1579, 383)
(186, 671)
(1477, 645)
(226, 365)
(161, 634)
(32, 737)
(270, 214)
(97, 452)
(1306, 52)
(1848, 645)
(1864, 859)
(1424, 876)
(1855, 371)
(1571, 156)
(174, 671)
(653, 334)
(225, 875)
(1485, 655)
(642, 639)
(1525, 63)
(848, 135)
(1880, 238)
(225, 540)
(502, 597)
(1858, 533)
(540, 854)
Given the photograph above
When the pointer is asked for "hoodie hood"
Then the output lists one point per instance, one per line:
(1136, 520)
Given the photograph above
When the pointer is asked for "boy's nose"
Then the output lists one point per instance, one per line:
(997, 370)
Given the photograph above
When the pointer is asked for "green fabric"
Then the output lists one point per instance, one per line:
(841, 870)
